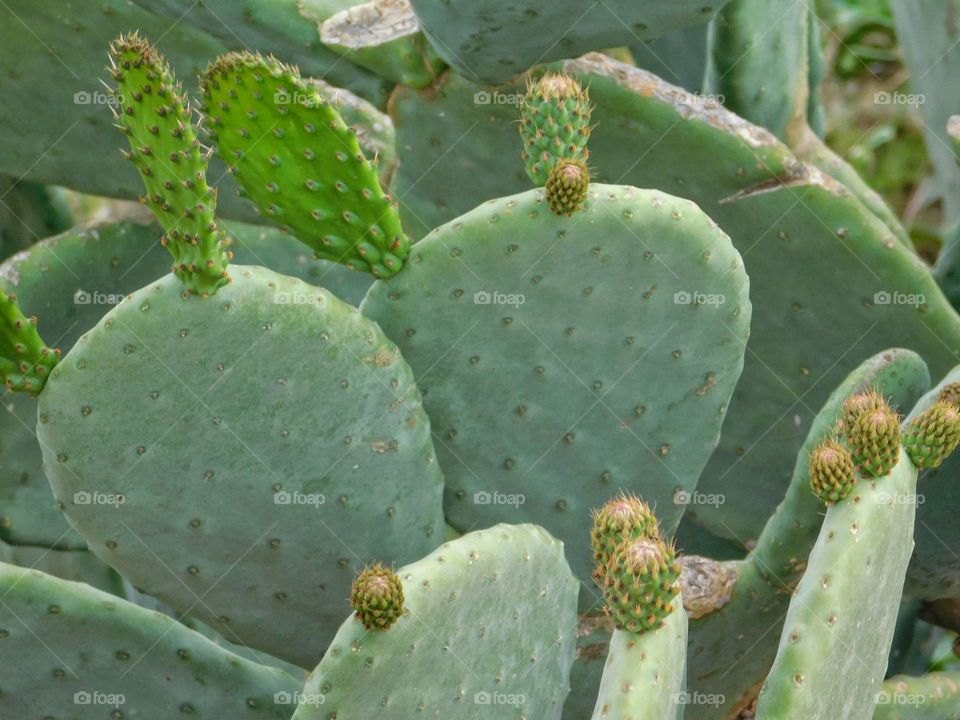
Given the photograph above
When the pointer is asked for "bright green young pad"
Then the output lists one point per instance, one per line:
(155, 115)
(837, 633)
(565, 359)
(300, 163)
(645, 675)
(25, 361)
(491, 41)
(335, 469)
(489, 631)
(70, 651)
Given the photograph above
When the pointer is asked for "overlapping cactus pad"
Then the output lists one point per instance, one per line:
(268, 123)
(827, 664)
(491, 41)
(489, 629)
(563, 359)
(71, 651)
(335, 468)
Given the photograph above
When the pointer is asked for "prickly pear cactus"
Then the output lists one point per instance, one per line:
(488, 628)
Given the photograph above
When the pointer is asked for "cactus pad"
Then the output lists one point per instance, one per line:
(25, 362)
(70, 651)
(490, 621)
(384, 36)
(748, 626)
(644, 677)
(827, 665)
(491, 41)
(155, 115)
(299, 161)
(217, 424)
(546, 396)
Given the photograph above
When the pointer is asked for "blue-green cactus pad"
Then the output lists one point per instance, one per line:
(491, 41)
(565, 359)
(265, 443)
(69, 282)
(488, 631)
(837, 634)
(71, 652)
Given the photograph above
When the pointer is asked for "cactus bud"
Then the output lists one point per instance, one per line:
(567, 187)
(855, 405)
(624, 518)
(642, 581)
(875, 441)
(377, 597)
(832, 473)
(933, 434)
(554, 124)
(950, 393)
